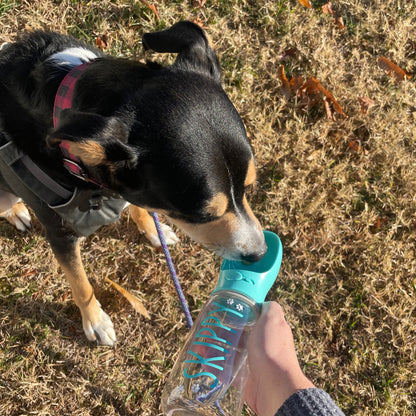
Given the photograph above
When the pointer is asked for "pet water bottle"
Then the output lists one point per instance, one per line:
(210, 373)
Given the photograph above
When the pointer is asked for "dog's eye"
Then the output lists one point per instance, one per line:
(195, 218)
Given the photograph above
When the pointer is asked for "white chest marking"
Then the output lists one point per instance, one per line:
(73, 56)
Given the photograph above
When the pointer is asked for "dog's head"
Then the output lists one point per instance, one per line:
(174, 144)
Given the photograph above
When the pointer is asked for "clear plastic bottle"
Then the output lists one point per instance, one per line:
(211, 370)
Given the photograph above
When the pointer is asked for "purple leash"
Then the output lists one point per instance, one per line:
(172, 271)
(175, 280)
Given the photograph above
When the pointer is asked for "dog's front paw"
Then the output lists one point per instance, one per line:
(101, 331)
(18, 215)
(168, 233)
(146, 226)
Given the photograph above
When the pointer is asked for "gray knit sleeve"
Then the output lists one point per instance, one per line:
(310, 402)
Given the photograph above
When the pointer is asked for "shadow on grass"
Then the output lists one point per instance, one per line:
(29, 319)
(105, 396)
(48, 337)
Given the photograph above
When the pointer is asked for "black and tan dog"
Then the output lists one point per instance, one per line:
(83, 134)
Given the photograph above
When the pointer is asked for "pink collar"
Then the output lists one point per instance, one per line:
(63, 98)
(63, 101)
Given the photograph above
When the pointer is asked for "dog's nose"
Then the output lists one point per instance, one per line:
(253, 257)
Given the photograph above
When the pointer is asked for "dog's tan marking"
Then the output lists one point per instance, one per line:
(95, 322)
(144, 222)
(82, 290)
(14, 211)
(214, 233)
(250, 212)
(19, 216)
(218, 205)
(251, 174)
(146, 226)
(91, 152)
(210, 42)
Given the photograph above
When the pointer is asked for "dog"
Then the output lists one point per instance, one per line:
(83, 135)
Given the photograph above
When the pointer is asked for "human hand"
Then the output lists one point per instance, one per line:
(275, 373)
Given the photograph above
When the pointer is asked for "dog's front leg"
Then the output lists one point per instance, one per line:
(96, 323)
(146, 225)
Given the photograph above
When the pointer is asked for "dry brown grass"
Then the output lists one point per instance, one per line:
(345, 213)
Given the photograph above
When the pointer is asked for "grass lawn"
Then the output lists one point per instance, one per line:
(339, 190)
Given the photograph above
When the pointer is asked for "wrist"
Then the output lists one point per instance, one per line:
(293, 385)
(284, 386)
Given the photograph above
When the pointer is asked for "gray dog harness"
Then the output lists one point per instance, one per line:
(83, 210)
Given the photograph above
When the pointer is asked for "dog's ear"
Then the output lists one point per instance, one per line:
(94, 140)
(191, 43)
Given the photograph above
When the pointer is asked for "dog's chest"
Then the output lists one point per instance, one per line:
(71, 57)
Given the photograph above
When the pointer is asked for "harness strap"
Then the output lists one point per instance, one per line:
(28, 172)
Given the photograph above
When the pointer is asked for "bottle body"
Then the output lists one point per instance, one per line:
(210, 372)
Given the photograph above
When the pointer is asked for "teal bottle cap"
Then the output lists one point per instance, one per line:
(253, 279)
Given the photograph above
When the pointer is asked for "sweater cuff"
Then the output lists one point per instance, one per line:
(309, 402)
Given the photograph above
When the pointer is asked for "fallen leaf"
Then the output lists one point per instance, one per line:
(328, 109)
(137, 305)
(355, 146)
(393, 69)
(296, 83)
(366, 103)
(330, 98)
(101, 42)
(29, 272)
(310, 92)
(152, 8)
(380, 221)
(339, 22)
(306, 3)
(285, 87)
(312, 87)
(200, 23)
(65, 296)
(289, 88)
(327, 8)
